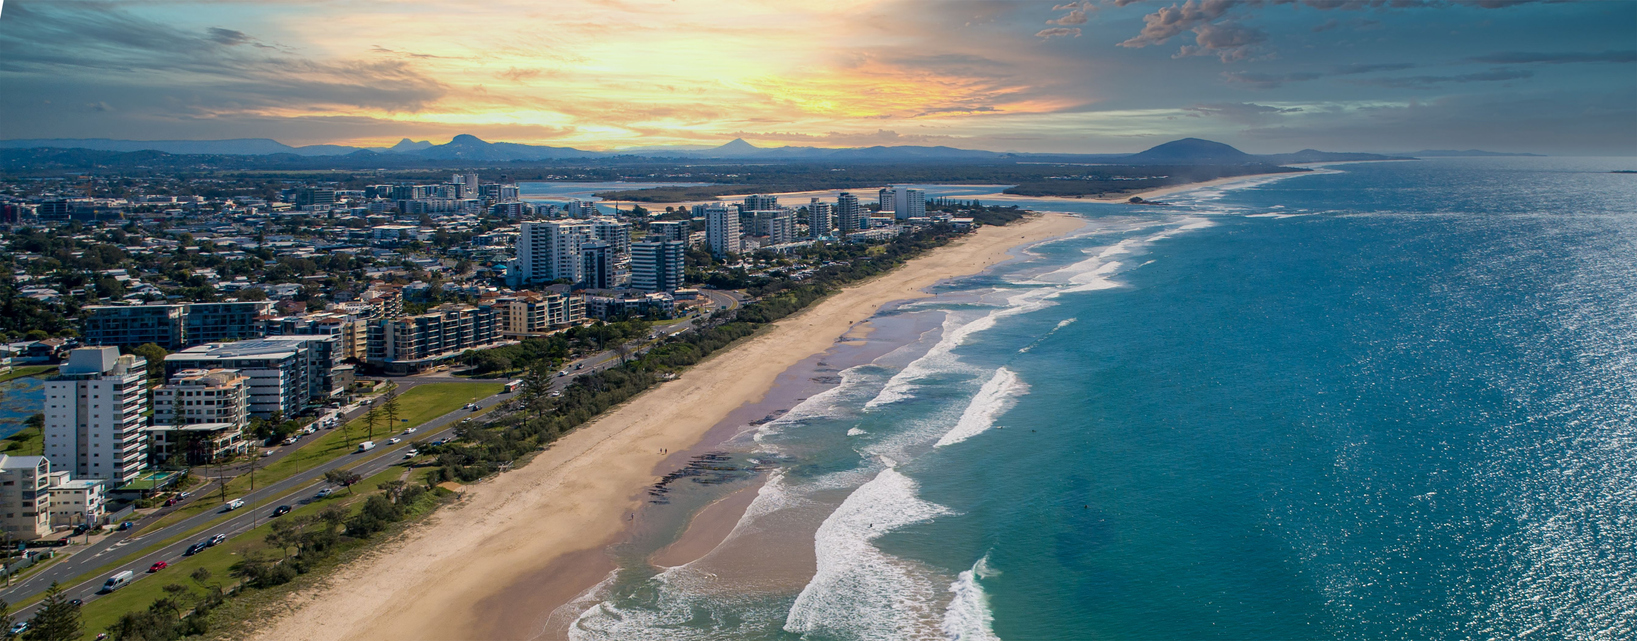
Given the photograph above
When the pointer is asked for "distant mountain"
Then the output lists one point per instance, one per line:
(236, 147)
(1452, 153)
(1191, 151)
(408, 145)
(1314, 155)
(469, 148)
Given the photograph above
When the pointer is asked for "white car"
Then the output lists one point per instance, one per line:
(412, 453)
(410, 431)
(394, 440)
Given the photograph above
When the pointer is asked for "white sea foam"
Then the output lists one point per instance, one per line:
(856, 432)
(860, 592)
(996, 396)
(1060, 325)
(968, 617)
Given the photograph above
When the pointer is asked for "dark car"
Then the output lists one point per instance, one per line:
(197, 548)
(76, 602)
(281, 510)
(125, 526)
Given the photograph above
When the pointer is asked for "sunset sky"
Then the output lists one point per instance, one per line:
(1099, 76)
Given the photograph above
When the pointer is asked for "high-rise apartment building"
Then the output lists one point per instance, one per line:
(598, 263)
(903, 202)
(849, 215)
(781, 227)
(547, 251)
(529, 312)
(94, 414)
(669, 230)
(285, 372)
(199, 417)
(722, 230)
(25, 496)
(414, 343)
(172, 325)
(759, 202)
(613, 232)
(819, 218)
(656, 266)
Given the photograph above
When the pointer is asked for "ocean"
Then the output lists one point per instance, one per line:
(1374, 401)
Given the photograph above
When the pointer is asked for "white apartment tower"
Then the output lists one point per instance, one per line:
(818, 218)
(906, 202)
(759, 202)
(656, 266)
(849, 215)
(547, 251)
(781, 228)
(722, 230)
(93, 415)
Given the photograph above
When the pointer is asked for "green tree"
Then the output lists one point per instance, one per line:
(155, 356)
(371, 419)
(390, 410)
(5, 615)
(58, 619)
(344, 478)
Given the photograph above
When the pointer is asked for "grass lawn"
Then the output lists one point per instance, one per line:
(29, 370)
(418, 405)
(101, 613)
(28, 442)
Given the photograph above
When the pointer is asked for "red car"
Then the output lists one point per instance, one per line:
(157, 566)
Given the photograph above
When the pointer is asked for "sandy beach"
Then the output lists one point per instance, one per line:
(495, 565)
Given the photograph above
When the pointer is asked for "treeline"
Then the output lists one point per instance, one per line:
(549, 350)
(1107, 180)
(541, 418)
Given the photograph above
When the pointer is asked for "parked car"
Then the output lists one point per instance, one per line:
(158, 565)
(281, 510)
(218, 539)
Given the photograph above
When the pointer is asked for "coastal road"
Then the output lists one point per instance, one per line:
(135, 553)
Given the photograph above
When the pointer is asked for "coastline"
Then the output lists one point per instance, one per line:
(464, 569)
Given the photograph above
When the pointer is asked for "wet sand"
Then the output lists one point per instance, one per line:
(495, 564)
(707, 530)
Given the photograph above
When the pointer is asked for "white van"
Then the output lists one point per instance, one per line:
(235, 504)
(118, 581)
(366, 446)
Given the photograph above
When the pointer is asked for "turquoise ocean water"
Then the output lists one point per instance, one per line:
(1378, 401)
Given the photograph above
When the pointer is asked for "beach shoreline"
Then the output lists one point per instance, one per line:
(474, 565)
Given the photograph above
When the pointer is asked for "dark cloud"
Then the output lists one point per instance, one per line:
(1520, 57)
(1218, 30)
(1229, 41)
(116, 51)
(1429, 82)
(228, 37)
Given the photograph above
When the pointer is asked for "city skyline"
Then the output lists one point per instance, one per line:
(1096, 76)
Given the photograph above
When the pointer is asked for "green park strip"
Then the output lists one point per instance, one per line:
(27, 442)
(415, 407)
(97, 615)
(30, 370)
